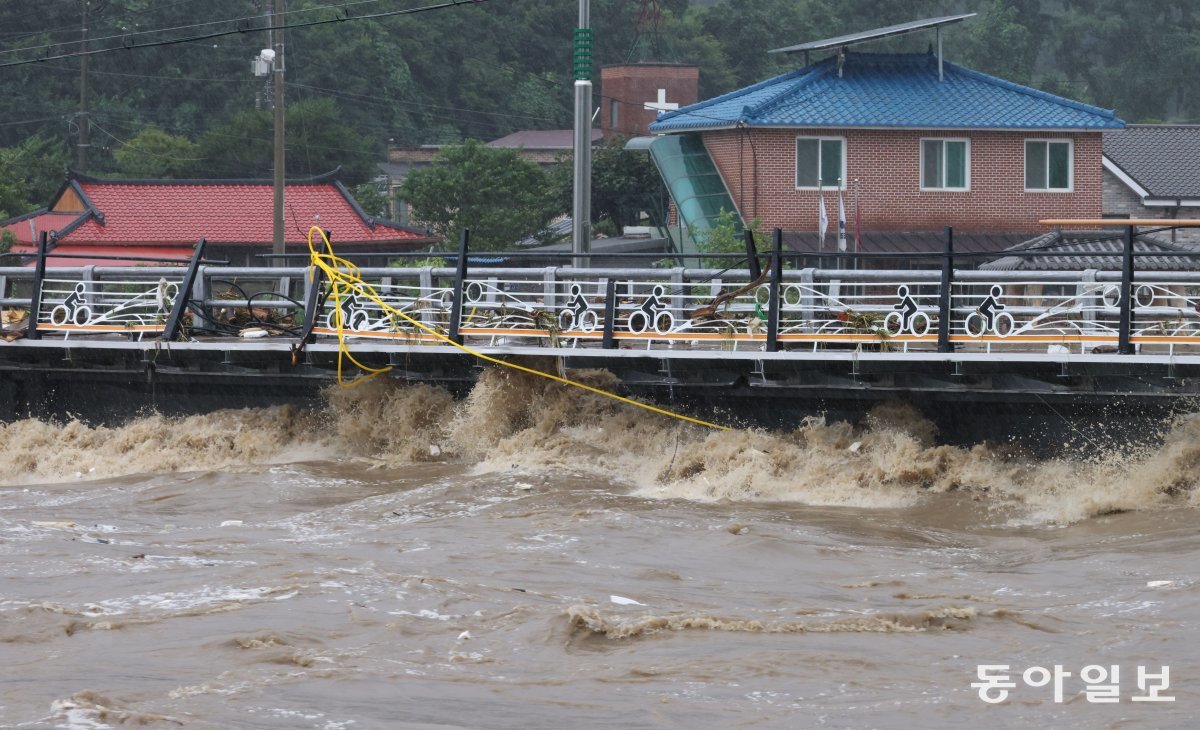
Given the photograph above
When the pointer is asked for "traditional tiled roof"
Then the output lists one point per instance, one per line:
(906, 245)
(1164, 159)
(1107, 247)
(888, 90)
(29, 227)
(167, 212)
(544, 139)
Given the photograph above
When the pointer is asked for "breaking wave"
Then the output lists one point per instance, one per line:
(586, 621)
(890, 460)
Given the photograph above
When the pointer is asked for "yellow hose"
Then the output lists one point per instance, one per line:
(344, 277)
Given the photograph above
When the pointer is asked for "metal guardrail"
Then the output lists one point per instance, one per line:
(652, 309)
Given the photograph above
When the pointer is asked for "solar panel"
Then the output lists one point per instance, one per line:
(870, 35)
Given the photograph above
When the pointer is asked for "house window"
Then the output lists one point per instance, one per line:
(820, 162)
(1048, 164)
(945, 164)
(612, 113)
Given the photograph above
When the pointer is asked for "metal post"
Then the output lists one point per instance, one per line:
(312, 305)
(179, 307)
(277, 21)
(1124, 346)
(610, 315)
(312, 302)
(752, 256)
(581, 210)
(773, 293)
(35, 297)
(460, 276)
(945, 301)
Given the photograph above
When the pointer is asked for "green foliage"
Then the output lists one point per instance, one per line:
(494, 192)
(30, 174)
(316, 141)
(371, 199)
(436, 262)
(7, 239)
(997, 40)
(153, 153)
(624, 185)
(727, 236)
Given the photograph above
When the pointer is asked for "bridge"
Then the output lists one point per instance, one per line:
(753, 335)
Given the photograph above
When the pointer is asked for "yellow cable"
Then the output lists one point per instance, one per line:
(344, 276)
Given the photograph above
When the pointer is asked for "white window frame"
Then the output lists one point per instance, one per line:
(966, 174)
(1070, 188)
(796, 167)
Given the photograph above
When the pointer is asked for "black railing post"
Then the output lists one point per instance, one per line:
(312, 302)
(179, 306)
(460, 276)
(1124, 345)
(312, 305)
(945, 301)
(773, 297)
(610, 315)
(35, 297)
(752, 256)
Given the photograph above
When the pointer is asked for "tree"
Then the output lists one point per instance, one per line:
(153, 153)
(30, 174)
(316, 140)
(500, 196)
(624, 185)
(372, 200)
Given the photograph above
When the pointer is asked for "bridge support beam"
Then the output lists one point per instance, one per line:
(460, 276)
(773, 292)
(35, 298)
(1124, 344)
(945, 301)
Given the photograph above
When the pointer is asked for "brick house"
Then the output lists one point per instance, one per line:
(165, 218)
(1152, 171)
(921, 143)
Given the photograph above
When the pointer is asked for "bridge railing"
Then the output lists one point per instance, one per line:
(646, 308)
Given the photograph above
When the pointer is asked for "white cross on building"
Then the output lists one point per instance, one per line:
(661, 105)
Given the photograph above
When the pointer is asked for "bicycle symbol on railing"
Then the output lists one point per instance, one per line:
(74, 309)
(354, 315)
(652, 313)
(907, 318)
(578, 313)
(989, 317)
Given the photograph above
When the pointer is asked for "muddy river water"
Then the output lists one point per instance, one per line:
(536, 558)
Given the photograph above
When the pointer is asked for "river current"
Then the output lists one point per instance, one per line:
(539, 557)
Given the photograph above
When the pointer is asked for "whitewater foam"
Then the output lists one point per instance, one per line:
(510, 420)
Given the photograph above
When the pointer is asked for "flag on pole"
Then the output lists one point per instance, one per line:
(857, 220)
(822, 216)
(841, 222)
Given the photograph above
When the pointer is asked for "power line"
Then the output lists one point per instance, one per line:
(243, 25)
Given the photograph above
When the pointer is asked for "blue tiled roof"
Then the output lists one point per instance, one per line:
(888, 90)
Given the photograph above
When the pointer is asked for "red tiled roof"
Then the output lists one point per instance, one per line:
(40, 221)
(132, 212)
(164, 255)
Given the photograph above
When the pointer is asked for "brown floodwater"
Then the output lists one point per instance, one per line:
(534, 557)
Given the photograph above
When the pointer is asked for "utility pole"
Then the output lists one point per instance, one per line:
(277, 25)
(81, 161)
(581, 211)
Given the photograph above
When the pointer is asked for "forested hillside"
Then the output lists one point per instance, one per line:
(482, 70)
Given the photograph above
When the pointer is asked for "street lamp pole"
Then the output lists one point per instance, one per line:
(582, 208)
(277, 25)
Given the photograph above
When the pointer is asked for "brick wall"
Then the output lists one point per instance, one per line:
(759, 168)
(631, 86)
